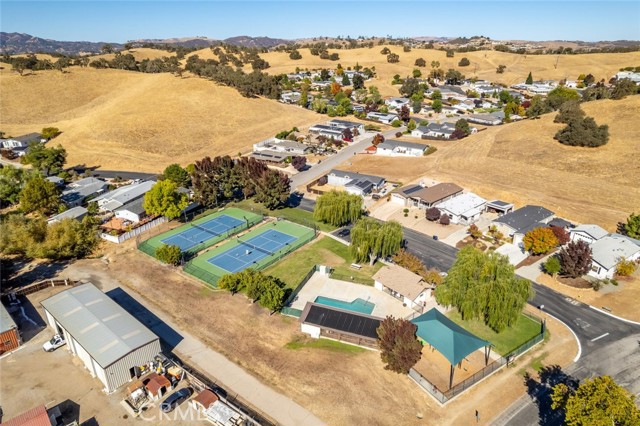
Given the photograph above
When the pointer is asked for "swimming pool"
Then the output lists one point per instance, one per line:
(356, 305)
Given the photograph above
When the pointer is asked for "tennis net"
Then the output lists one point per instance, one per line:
(256, 248)
(205, 229)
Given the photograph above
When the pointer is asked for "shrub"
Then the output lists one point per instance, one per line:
(322, 181)
(430, 150)
(444, 220)
(464, 62)
(624, 268)
(420, 62)
(575, 259)
(561, 234)
(396, 123)
(583, 132)
(169, 254)
(474, 231)
(540, 241)
(398, 134)
(295, 55)
(393, 58)
(552, 265)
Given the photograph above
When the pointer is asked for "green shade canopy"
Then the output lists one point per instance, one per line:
(451, 340)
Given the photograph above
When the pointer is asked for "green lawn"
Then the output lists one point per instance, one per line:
(326, 344)
(289, 213)
(511, 338)
(324, 251)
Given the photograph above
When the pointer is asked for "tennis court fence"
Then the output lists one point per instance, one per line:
(201, 274)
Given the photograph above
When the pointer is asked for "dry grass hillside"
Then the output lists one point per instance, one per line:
(138, 53)
(131, 121)
(483, 64)
(522, 163)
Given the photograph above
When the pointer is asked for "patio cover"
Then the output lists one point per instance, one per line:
(451, 340)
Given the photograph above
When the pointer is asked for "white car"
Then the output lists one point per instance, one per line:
(53, 344)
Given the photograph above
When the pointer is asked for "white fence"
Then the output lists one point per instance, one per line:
(118, 239)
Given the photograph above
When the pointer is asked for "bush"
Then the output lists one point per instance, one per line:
(398, 134)
(583, 132)
(552, 265)
(396, 123)
(393, 58)
(575, 259)
(540, 241)
(624, 268)
(464, 62)
(420, 63)
(295, 55)
(444, 220)
(430, 150)
(169, 254)
(322, 181)
(561, 234)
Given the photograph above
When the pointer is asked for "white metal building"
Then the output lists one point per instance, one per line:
(109, 341)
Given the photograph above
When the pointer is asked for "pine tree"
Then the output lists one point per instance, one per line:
(529, 79)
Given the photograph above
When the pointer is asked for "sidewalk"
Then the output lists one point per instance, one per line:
(230, 376)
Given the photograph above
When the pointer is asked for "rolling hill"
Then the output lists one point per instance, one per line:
(123, 120)
(523, 164)
(483, 64)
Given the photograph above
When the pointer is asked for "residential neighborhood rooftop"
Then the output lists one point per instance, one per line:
(375, 180)
(339, 320)
(6, 322)
(72, 213)
(608, 250)
(463, 203)
(401, 280)
(593, 230)
(392, 143)
(119, 197)
(524, 217)
(437, 192)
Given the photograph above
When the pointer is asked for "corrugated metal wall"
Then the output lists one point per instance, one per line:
(9, 340)
(119, 373)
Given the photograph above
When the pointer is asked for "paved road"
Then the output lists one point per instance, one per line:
(333, 161)
(109, 174)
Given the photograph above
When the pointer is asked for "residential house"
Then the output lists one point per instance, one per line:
(21, 141)
(9, 334)
(328, 131)
(282, 145)
(80, 191)
(290, 97)
(344, 124)
(434, 130)
(517, 223)
(38, 416)
(57, 181)
(404, 285)
(449, 92)
(382, 117)
(132, 211)
(499, 207)
(320, 84)
(608, 251)
(587, 233)
(273, 157)
(397, 103)
(355, 183)
(488, 119)
(424, 198)
(463, 209)
(395, 148)
(110, 201)
(633, 76)
(77, 213)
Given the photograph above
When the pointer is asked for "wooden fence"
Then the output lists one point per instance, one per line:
(32, 288)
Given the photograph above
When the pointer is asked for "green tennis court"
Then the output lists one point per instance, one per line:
(204, 232)
(256, 249)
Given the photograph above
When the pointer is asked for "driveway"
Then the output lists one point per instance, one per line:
(513, 252)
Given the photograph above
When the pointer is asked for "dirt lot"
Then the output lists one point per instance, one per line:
(522, 163)
(339, 388)
(32, 377)
(622, 300)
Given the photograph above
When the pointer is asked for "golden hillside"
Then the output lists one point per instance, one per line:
(523, 164)
(123, 120)
(483, 64)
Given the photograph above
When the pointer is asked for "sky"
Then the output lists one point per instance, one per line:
(121, 21)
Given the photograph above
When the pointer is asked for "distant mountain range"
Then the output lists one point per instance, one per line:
(16, 43)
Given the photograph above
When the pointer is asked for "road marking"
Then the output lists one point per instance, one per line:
(599, 337)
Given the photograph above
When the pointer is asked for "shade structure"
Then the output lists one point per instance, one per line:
(451, 340)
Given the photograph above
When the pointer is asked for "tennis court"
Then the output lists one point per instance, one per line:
(256, 249)
(198, 234)
(204, 232)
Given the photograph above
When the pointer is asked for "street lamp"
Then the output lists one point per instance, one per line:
(544, 319)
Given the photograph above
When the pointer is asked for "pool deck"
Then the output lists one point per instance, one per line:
(322, 285)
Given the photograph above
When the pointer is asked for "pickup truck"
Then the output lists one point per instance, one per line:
(53, 344)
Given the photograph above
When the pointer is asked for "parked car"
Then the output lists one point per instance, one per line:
(175, 399)
(53, 344)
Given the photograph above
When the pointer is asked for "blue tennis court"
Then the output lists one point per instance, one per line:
(197, 234)
(248, 253)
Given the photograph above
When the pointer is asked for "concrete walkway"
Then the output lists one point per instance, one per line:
(229, 375)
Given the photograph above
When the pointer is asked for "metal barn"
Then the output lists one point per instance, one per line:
(110, 342)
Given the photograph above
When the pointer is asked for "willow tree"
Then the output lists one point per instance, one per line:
(484, 286)
(338, 208)
(371, 239)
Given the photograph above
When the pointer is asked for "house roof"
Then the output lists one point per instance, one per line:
(401, 280)
(446, 128)
(340, 320)
(524, 217)
(37, 416)
(134, 207)
(436, 193)
(559, 222)
(375, 180)
(608, 250)
(407, 191)
(592, 230)
(73, 213)
(101, 326)
(451, 340)
(127, 193)
(206, 398)
(273, 156)
(155, 382)
(29, 137)
(6, 322)
(499, 204)
(392, 144)
(345, 123)
(464, 203)
(55, 179)
(292, 145)
(82, 189)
